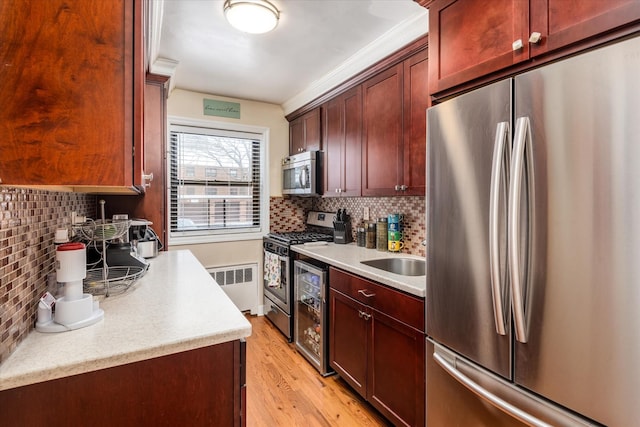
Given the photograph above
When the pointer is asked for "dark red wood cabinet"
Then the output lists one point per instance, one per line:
(305, 132)
(395, 136)
(416, 101)
(564, 22)
(342, 142)
(474, 38)
(71, 89)
(383, 125)
(150, 205)
(201, 387)
(377, 345)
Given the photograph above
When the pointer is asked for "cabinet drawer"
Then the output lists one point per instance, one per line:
(406, 308)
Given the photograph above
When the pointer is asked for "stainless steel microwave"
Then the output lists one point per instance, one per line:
(300, 174)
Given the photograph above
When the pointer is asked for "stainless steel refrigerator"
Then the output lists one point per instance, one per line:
(533, 257)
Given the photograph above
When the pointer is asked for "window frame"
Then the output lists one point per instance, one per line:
(220, 235)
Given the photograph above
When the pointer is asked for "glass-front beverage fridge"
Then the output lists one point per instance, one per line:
(311, 315)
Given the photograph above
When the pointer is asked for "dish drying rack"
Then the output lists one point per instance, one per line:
(107, 280)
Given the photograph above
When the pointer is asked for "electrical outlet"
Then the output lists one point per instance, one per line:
(365, 213)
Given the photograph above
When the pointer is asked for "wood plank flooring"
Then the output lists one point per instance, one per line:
(283, 389)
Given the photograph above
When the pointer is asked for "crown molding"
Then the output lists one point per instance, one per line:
(393, 40)
(165, 67)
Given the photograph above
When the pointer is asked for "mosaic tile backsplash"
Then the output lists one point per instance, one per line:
(28, 220)
(289, 214)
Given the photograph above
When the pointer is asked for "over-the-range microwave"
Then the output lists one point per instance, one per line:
(300, 174)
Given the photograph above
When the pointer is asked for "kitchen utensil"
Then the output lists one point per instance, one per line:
(147, 248)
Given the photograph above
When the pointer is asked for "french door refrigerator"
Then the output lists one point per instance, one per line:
(533, 257)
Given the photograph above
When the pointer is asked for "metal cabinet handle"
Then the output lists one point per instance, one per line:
(517, 44)
(522, 135)
(363, 315)
(146, 179)
(535, 37)
(485, 394)
(403, 187)
(500, 163)
(397, 188)
(364, 293)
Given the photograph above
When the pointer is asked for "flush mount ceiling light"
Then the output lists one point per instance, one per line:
(251, 16)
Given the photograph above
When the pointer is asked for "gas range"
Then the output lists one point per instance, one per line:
(300, 237)
(278, 268)
(319, 229)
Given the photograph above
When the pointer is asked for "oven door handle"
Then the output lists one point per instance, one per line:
(284, 272)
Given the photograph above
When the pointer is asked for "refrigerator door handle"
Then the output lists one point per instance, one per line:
(521, 135)
(500, 163)
(450, 368)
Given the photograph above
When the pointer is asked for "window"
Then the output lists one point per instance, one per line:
(210, 172)
(217, 189)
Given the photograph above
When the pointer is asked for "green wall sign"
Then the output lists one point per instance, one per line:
(221, 108)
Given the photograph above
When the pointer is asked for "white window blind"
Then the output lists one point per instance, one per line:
(215, 181)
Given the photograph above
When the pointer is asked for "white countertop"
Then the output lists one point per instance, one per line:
(348, 257)
(176, 306)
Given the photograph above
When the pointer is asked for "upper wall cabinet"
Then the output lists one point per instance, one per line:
(342, 141)
(474, 38)
(394, 135)
(71, 87)
(416, 101)
(382, 146)
(304, 132)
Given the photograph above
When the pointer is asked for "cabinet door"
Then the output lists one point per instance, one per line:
(342, 142)
(204, 386)
(304, 132)
(333, 142)
(562, 22)
(396, 383)
(71, 89)
(352, 153)
(416, 102)
(348, 339)
(382, 138)
(296, 136)
(472, 38)
(153, 205)
(312, 132)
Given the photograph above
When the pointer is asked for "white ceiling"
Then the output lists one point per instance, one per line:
(316, 45)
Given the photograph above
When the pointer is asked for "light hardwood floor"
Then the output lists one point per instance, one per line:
(283, 389)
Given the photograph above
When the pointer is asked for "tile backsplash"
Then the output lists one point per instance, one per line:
(289, 214)
(28, 220)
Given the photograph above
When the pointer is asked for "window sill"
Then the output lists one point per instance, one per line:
(217, 238)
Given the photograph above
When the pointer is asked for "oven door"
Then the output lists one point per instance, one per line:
(276, 280)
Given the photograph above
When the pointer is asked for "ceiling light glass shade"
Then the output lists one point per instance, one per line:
(251, 16)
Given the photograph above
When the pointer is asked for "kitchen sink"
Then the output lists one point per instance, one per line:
(402, 266)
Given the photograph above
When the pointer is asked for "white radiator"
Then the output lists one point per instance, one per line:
(240, 283)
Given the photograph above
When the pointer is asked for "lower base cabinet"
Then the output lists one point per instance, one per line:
(201, 387)
(380, 355)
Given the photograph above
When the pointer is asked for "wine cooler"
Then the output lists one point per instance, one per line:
(311, 314)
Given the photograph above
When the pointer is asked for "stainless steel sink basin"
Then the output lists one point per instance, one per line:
(403, 266)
